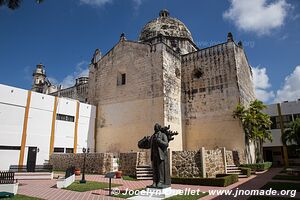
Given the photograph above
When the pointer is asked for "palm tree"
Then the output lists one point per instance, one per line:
(256, 125)
(291, 134)
(14, 4)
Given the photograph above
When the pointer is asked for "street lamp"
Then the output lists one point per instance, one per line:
(85, 152)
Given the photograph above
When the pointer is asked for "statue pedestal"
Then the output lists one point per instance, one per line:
(155, 193)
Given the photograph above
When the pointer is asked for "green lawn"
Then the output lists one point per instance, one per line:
(129, 178)
(89, 185)
(282, 186)
(287, 177)
(21, 197)
(187, 197)
(271, 198)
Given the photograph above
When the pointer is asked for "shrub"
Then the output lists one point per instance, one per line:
(221, 180)
(246, 171)
(258, 166)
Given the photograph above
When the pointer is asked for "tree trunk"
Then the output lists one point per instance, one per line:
(248, 154)
(259, 149)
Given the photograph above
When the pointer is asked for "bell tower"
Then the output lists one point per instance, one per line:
(39, 79)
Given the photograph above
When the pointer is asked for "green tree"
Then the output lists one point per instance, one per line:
(291, 134)
(14, 4)
(256, 125)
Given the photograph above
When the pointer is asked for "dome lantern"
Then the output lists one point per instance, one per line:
(164, 13)
(165, 25)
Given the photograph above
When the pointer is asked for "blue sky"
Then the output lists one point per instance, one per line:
(64, 34)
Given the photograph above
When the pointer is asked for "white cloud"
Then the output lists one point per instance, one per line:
(81, 69)
(264, 95)
(137, 3)
(97, 3)
(261, 84)
(291, 87)
(259, 16)
(53, 81)
(100, 3)
(260, 78)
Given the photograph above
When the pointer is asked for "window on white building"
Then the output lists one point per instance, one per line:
(59, 150)
(67, 118)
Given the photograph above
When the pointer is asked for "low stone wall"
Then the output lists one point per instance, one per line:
(95, 162)
(232, 158)
(129, 161)
(214, 162)
(186, 164)
(229, 158)
(143, 158)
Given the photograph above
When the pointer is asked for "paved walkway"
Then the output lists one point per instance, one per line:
(46, 189)
(256, 182)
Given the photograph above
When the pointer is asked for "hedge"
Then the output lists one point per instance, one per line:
(245, 171)
(258, 166)
(221, 180)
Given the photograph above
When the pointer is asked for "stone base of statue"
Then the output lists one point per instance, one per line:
(155, 193)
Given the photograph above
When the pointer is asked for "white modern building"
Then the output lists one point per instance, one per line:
(35, 125)
(281, 115)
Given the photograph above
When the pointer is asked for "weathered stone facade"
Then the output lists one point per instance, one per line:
(43, 85)
(202, 163)
(100, 163)
(129, 162)
(143, 158)
(214, 162)
(79, 91)
(233, 158)
(211, 93)
(165, 78)
(187, 164)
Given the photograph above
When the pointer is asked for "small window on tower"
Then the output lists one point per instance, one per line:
(197, 73)
(121, 79)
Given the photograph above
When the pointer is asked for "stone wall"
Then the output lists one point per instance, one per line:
(143, 158)
(232, 158)
(229, 158)
(126, 113)
(214, 162)
(202, 163)
(186, 164)
(211, 92)
(95, 162)
(129, 161)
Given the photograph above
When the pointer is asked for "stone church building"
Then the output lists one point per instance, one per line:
(164, 77)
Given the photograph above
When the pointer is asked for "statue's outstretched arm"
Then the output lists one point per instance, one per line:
(144, 143)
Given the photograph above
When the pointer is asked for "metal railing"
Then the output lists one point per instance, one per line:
(7, 177)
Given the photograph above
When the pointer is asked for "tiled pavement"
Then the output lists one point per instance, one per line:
(46, 189)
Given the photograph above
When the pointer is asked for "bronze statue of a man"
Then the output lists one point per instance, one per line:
(158, 143)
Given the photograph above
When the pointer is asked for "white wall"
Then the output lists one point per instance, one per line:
(12, 111)
(287, 108)
(276, 133)
(8, 157)
(11, 126)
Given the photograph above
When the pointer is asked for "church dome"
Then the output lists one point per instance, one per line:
(166, 26)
